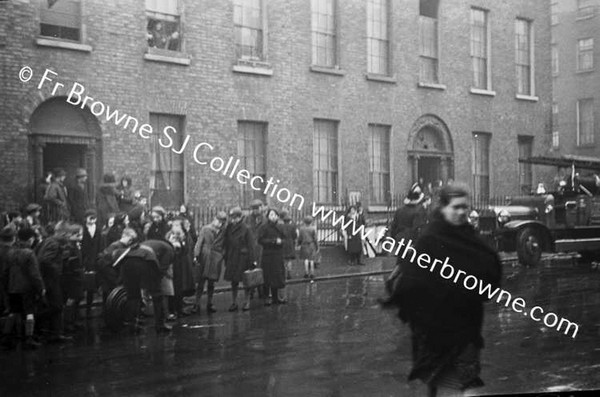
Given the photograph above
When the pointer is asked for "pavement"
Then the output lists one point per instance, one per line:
(335, 265)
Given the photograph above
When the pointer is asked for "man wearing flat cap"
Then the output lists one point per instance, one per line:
(239, 255)
(78, 197)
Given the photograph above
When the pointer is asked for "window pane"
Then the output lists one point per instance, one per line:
(481, 165)
(167, 176)
(585, 117)
(428, 49)
(62, 20)
(248, 29)
(479, 48)
(379, 170)
(252, 149)
(323, 33)
(325, 164)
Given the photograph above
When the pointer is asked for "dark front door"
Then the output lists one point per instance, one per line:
(66, 156)
(429, 169)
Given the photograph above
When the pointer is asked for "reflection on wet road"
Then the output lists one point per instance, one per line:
(331, 339)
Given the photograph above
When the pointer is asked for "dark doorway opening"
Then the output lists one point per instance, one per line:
(429, 170)
(66, 156)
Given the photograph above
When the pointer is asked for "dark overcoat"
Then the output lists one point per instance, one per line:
(209, 251)
(78, 202)
(354, 240)
(239, 251)
(443, 314)
(106, 202)
(183, 278)
(56, 202)
(91, 247)
(272, 254)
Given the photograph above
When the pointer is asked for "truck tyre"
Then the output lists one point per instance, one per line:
(529, 247)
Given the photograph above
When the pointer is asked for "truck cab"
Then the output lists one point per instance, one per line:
(564, 220)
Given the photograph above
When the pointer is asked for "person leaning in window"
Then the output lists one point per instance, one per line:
(445, 318)
(270, 237)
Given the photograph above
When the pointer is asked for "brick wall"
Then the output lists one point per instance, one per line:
(213, 97)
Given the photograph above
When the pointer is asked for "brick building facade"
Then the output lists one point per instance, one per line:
(335, 99)
(576, 76)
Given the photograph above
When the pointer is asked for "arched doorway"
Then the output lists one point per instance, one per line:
(65, 136)
(431, 153)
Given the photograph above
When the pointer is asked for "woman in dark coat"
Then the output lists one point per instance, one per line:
(106, 199)
(188, 222)
(270, 237)
(183, 280)
(289, 242)
(354, 247)
(444, 316)
(125, 194)
(239, 255)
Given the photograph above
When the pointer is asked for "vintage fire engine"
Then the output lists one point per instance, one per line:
(564, 220)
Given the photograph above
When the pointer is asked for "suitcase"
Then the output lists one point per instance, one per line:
(253, 278)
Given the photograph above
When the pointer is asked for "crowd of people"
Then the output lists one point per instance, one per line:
(62, 253)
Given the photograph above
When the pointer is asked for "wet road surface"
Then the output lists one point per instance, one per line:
(331, 339)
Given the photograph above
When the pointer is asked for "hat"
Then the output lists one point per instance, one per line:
(308, 219)
(159, 210)
(80, 173)
(58, 172)
(414, 196)
(33, 207)
(221, 215)
(7, 233)
(108, 178)
(90, 212)
(235, 212)
(26, 233)
(256, 203)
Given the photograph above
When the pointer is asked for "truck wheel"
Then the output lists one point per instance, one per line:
(529, 247)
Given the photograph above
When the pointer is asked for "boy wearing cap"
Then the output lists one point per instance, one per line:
(22, 280)
(209, 253)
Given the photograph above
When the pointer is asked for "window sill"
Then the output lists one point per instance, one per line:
(584, 71)
(479, 91)
(67, 45)
(179, 59)
(529, 98)
(257, 70)
(326, 70)
(434, 86)
(381, 78)
(586, 146)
